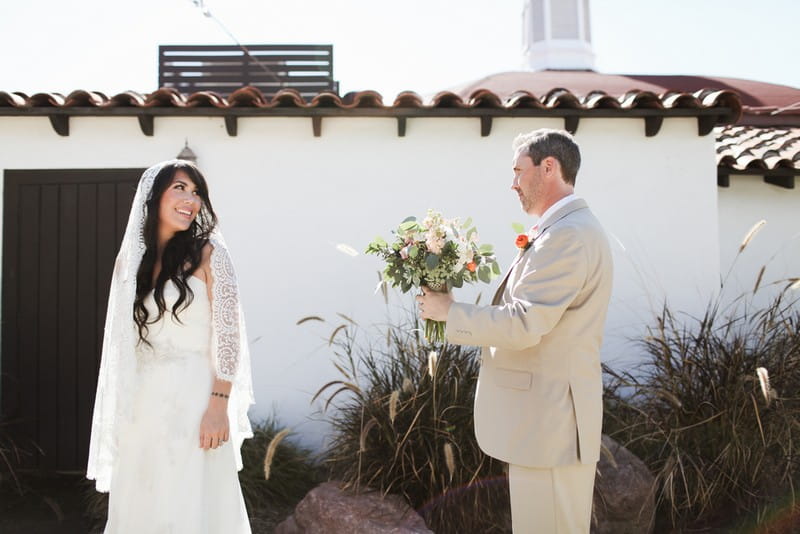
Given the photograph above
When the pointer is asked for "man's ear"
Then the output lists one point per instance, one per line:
(549, 165)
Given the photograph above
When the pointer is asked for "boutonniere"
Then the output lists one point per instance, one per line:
(523, 241)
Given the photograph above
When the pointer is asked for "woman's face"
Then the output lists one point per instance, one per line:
(180, 204)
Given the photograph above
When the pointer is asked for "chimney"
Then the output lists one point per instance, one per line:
(556, 35)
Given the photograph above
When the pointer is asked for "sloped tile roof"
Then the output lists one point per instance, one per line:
(250, 97)
(761, 101)
(758, 149)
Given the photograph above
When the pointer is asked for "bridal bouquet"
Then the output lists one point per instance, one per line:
(437, 252)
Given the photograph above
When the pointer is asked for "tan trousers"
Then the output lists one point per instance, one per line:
(551, 501)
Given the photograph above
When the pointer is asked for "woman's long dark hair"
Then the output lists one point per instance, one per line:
(182, 254)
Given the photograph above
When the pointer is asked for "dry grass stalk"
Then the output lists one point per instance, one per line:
(310, 318)
(271, 448)
(759, 278)
(751, 234)
(393, 400)
(362, 439)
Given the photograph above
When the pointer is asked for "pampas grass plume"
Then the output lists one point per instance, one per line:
(432, 357)
(393, 400)
(408, 385)
(271, 448)
(449, 459)
(751, 234)
(763, 380)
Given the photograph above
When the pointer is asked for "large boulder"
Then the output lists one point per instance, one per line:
(327, 509)
(624, 492)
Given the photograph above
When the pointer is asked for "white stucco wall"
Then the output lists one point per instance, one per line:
(286, 199)
(776, 246)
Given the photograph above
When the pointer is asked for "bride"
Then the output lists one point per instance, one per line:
(174, 385)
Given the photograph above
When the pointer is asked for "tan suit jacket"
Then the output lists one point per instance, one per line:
(539, 396)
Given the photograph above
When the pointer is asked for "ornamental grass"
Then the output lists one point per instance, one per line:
(714, 411)
(401, 417)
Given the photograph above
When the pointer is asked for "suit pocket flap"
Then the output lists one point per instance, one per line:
(508, 378)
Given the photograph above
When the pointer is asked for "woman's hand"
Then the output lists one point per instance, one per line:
(214, 427)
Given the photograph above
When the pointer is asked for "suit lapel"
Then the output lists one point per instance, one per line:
(499, 293)
(575, 205)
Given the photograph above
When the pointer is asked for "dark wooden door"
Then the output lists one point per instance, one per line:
(61, 233)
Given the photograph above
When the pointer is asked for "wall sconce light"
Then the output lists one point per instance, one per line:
(187, 153)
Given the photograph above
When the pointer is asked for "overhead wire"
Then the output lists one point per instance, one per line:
(200, 4)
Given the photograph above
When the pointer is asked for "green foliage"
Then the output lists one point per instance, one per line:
(293, 471)
(721, 444)
(403, 423)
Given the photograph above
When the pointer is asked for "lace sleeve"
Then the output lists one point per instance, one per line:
(225, 314)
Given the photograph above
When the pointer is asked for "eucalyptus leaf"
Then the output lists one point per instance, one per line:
(407, 219)
(431, 261)
(407, 226)
(458, 280)
(486, 248)
(413, 251)
(496, 268)
(467, 223)
(518, 227)
(484, 274)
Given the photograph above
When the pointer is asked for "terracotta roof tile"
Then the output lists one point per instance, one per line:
(447, 99)
(247, 97)
(408, 99)
(206, 99)
(524, 100)
(326, 99)
(46, 100)
(165, 97)
(362, 99)
(13, 100)
(750, 147)
(483, 98)
(287, 98)
(128, 99)
(600, 99)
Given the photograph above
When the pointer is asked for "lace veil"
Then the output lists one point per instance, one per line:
(116, 382)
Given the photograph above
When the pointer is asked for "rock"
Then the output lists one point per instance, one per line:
(327, 509)
(624, 500)
(288, 526)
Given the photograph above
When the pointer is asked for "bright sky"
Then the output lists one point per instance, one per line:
(421, 45)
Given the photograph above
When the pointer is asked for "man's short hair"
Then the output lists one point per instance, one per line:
(545, 142)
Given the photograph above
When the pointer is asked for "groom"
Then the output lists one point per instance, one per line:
(538, 404)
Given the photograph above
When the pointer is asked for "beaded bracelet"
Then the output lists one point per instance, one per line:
(223, 395)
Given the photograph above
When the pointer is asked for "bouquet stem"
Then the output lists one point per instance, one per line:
(434, 331)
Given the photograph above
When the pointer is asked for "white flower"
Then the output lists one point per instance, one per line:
(435, 244)
(464, 251)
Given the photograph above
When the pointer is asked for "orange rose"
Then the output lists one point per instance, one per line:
(522, 241)
(471, 266)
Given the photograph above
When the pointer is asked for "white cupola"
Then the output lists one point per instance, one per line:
(555, 35)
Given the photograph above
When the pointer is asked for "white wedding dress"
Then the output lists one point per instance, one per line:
(163, 482)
